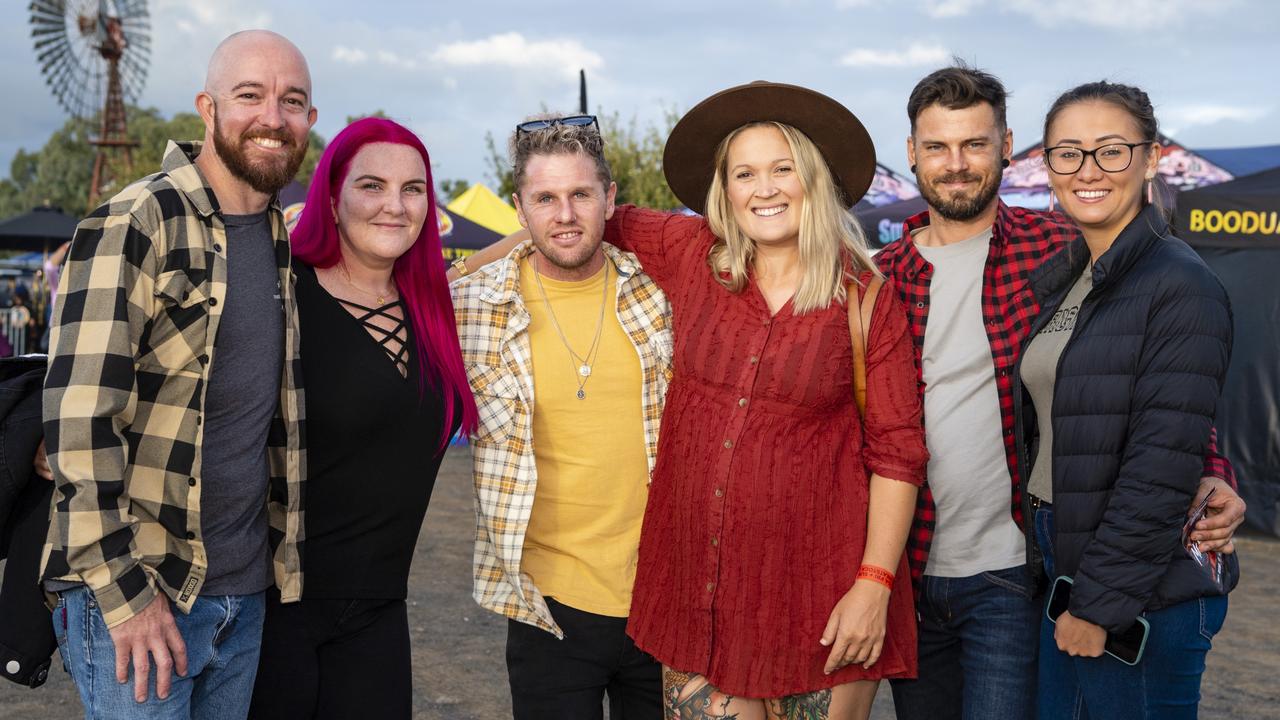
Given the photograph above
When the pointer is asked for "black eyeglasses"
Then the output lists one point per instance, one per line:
(572, 120)
(1113, 158)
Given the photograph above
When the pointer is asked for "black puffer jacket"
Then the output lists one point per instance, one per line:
(1134, 400)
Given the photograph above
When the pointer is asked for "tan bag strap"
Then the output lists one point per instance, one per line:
(859, 327)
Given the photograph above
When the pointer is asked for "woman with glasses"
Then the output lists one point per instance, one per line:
(1124, 367)
(385, 390)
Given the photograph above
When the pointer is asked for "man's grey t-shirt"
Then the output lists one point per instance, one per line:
(243, 393)
(968, 471)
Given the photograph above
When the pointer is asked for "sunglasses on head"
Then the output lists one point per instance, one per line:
(572, 120)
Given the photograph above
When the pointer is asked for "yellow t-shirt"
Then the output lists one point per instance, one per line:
(584, 531)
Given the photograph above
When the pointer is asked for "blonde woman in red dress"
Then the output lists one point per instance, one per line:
(772, 581)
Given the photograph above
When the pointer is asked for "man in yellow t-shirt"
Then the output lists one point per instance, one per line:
(568, 349)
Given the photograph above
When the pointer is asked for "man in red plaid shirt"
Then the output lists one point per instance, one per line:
(961, 271)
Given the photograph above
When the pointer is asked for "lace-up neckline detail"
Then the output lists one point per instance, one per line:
(385, 328)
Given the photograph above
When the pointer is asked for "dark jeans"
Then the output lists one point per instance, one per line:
(569, 678)
(324, 658)
(978, 638)
(1164, 685)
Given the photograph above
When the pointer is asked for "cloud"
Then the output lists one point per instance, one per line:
(1129, 15)
(356, 56)
(951, 8)
(390, 59)
(1184, 116)
(198, 17)
(350, 56)
(514, 51)
(916, 54)
(845, 4)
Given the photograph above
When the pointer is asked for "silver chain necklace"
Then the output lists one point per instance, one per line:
(583, 364)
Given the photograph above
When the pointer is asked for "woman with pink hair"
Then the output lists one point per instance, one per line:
(385, 390)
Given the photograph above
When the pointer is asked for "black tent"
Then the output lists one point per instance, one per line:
(461, 237)
(883, 224)
(1243, 213)
(44, 228)
(1234, 227)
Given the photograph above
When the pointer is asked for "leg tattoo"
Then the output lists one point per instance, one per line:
(688, 696)
(808, 706)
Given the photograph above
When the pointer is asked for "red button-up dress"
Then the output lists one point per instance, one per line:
(757, 516)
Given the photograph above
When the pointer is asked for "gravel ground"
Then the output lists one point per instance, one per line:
(459, 673)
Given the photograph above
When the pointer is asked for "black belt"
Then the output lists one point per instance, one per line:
(1038, 504)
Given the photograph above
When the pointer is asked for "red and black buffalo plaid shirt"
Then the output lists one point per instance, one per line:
(1021, 240)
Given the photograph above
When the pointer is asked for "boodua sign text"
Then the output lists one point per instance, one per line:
(1244, 222)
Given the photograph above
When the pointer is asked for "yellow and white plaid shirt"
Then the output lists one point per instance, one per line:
(493, 329)
(130, 350)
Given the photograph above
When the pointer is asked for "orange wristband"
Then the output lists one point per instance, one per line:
(876, 574)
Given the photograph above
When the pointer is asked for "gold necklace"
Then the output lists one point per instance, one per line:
(380, 297)
(583, 363)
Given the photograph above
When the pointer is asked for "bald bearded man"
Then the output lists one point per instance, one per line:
(171, 411)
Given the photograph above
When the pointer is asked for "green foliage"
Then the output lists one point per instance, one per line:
(379, 113)
(315, 148)
(451, 188)
(500, 173)
(59, 173)
(635, 157)
(634, 154)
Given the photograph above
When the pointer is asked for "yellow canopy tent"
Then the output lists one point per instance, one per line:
(481, 206)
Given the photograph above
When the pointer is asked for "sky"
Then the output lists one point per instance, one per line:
(454, 71)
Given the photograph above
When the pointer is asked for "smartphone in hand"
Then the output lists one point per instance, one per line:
(1127, 647)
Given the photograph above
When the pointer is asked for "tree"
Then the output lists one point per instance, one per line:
(634, 155)
(500, 170)
(451, 188)
(59, 173)
(379, 113)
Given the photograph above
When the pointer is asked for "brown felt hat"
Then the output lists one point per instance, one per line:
(689, 158)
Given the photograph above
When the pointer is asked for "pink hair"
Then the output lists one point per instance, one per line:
(419, 273)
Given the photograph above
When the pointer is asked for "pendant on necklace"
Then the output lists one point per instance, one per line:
(381, 300)
(584, 370)
(582, 394)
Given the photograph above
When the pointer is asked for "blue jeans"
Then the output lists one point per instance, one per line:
(222, 634)
(978, 639)
(1164, 685)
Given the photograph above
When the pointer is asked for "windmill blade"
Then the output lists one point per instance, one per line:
(67, 37)
(53, 50)
(47, 11)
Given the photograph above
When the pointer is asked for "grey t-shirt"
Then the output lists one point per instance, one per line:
(968, 470)
(244, 390)
(1040, 373)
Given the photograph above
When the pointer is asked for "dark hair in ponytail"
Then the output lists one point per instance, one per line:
(1132, 100)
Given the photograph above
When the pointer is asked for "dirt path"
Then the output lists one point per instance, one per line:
(459, 672)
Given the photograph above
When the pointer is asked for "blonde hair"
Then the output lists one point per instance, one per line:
(828, 232)
(557, 139)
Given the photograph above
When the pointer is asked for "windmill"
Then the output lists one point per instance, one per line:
(94, 55)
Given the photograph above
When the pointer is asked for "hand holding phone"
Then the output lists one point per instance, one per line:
(1127, 647)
